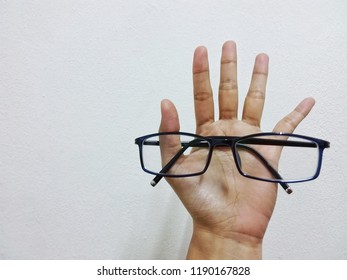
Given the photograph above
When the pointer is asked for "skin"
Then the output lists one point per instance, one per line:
(230, 212)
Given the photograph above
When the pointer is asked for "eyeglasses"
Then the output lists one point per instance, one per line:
(272, 157)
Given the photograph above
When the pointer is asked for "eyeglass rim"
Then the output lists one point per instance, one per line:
(322, 144)
(139, 141)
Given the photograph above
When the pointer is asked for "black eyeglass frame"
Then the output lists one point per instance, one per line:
(232, 141)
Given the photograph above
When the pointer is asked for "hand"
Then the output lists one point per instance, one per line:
(230, 212)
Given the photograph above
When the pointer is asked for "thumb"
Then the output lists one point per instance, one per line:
(169, 117)
(169, 144)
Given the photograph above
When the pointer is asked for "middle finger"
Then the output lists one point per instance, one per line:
(228, 94)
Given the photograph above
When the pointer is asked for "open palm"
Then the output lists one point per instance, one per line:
(222, 202)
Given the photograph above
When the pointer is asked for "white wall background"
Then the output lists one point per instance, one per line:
(79, 80)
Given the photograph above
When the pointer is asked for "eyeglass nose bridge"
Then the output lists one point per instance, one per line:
(224, 141)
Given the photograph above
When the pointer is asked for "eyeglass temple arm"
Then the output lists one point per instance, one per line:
(197, 143)
(272, 170)
(166, 168)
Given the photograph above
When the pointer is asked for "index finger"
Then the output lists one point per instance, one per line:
(203, 99)
(254, 102)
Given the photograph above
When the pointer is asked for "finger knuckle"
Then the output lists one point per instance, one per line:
(202, 95)
(228, 85)
(256, 94)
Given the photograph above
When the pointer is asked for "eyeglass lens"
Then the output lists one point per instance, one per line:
(294, 158)
(181, 154)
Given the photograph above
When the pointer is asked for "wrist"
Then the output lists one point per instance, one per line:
(209, 245)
